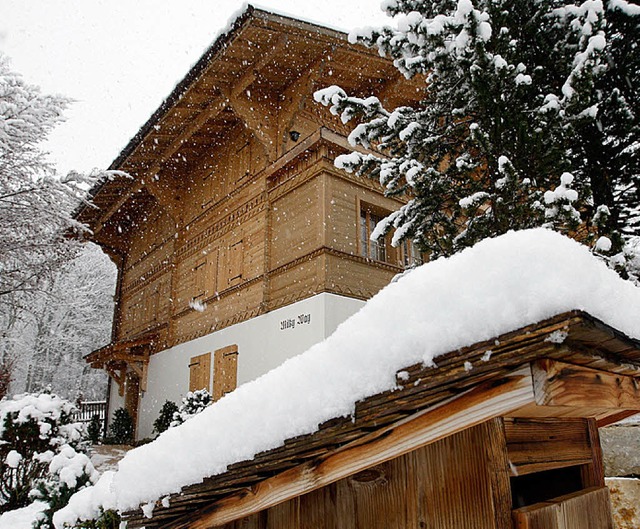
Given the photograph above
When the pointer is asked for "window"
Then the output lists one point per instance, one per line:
(406, 255)
(203, 281)
(225, 371)
(152, 302)
(409, 254)
(236, 256)
(376, 250)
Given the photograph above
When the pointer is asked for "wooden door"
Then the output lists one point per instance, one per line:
(132, 397)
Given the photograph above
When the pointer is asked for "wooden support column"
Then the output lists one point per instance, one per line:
(259, 119)
(118, 376)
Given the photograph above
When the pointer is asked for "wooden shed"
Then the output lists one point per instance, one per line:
(500, 435)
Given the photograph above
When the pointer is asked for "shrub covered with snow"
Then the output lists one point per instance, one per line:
(69, 472)
(165, 418)
(34, 428)
(195, 402)
(94, 430)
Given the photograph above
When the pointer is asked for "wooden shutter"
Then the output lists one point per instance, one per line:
(242, 161)
(236, 256)
(200, 372)
(200, 279)
(225, 371)
(132, 397)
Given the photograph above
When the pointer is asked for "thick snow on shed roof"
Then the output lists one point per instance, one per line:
(495, 287)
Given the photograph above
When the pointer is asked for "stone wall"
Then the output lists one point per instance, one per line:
(621, 453)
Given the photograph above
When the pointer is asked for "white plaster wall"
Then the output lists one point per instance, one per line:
(337, 310)
(263, 343)
(115, 402)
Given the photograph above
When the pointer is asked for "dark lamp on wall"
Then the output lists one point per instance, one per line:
(294, 135)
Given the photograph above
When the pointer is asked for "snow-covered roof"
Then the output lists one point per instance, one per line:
(497, 286)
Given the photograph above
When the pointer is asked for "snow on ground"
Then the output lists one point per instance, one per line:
(106, 457)
(22, 518)
(497, 286)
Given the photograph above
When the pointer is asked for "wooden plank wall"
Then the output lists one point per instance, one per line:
(459, 482)
(586, 509)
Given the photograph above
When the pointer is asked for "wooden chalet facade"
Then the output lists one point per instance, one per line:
(510, 444)
(238, 243)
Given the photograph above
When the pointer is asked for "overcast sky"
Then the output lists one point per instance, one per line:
(118, 59)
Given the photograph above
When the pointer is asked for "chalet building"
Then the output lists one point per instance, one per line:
(237, 241)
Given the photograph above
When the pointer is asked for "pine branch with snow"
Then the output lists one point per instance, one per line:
(68, 472)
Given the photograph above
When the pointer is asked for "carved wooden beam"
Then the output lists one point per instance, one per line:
(560, 384)
(118, 377)
(213, 109)
(391, 86)
(130, 358)
(166, 196)
(296, 93)
(137, 186)
(259, 119)
(253, 71)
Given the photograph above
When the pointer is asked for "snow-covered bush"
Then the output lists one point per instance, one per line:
(192, 404)
(106, 520)
(164, 420)
(121, 429)
(69, 471)
(33, 430)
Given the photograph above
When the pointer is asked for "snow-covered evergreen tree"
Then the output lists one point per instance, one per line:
(519, 95)
(121, 428)
(165, 418)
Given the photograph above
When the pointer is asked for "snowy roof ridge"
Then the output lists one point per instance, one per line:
(498, 286)
(221, 39)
